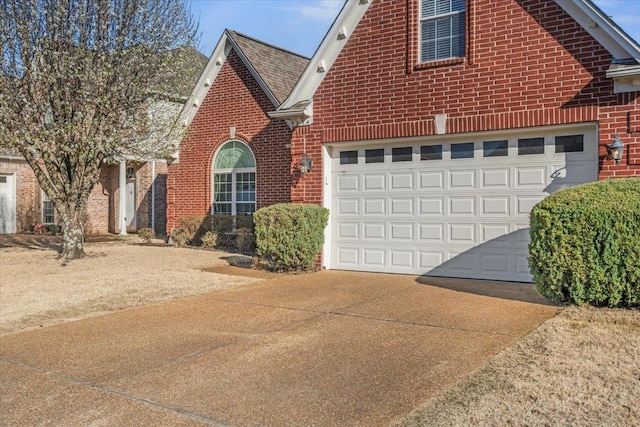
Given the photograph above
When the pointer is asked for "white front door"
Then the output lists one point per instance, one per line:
(131, 204)
(7, 204)
(455, 206)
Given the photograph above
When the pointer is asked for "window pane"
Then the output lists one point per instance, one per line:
(495, 148)
(47, 211)
(222, 208)
(462, 151)
(569, 144)
(233, 155)
(246, 187)
(245, 208)
(349, 157)
(431, 152)
(442, 29)
(401, 154)
(374, 156)
(222, 187)
(528, 146)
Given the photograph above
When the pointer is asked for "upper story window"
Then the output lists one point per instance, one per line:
(442, 29)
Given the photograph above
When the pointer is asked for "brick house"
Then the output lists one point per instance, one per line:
(235, 158)
(143, 181)
(434, 128)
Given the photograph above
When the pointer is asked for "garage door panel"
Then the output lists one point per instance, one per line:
(401, 181)
(464, 217)
(374, 182)
(496, 178)
(374, 257)
(432, 180)
(348, 183)
(462, 206)
(430, 259)
(401, 206)
(531, 177)
(401, 231)
(497, 233)
(462, 233)
(374, 207)
(348, 207)
(495, 206)
(401, 258)
(375, 231)
(462, 179)
(495, 263)
(347, 257)
(433, 233)
(348, 230)
(432, 206)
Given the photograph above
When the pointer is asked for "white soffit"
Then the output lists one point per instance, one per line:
(602, 28)
(214, 65)
(331, 46)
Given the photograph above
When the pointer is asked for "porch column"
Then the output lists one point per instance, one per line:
(122, 206)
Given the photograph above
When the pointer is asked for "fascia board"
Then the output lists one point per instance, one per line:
(602, 28)
(253, 72)
(331, 46)
(208, 76)
(627, 71)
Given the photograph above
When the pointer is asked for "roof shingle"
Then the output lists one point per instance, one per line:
(278, 68)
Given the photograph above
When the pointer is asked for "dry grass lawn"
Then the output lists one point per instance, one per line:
(580, 368)
(36, 289)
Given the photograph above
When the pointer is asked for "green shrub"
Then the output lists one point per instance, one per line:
(289, 236)
(245, 241)
(147, 234)
(585, 244)
(209, 240)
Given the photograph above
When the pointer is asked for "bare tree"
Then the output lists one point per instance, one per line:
(81, 83)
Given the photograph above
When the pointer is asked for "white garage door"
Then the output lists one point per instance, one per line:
(445, 207)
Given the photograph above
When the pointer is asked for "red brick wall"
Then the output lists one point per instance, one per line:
(102, 206)
(234, 100)
(28, 194)
(528, 64)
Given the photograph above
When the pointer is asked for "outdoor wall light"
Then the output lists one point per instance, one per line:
(615, 149)
(306, 164)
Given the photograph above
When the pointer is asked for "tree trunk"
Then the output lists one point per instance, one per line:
(73, 236)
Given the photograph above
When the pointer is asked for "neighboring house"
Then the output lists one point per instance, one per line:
(23, 204)
(434, 128)
(235, 158)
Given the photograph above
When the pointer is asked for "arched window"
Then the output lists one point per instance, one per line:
(234, 180)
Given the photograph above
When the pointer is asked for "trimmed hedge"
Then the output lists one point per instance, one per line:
(585, 244)
(289, 236)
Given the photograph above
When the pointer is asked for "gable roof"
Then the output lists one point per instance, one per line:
(276, 70)
(625, 51)
(280, 69)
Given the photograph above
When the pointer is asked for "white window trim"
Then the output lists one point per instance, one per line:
(233, 173)
(44, 199)
(422, 20)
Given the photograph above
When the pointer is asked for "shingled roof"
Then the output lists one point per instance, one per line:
(278, 68)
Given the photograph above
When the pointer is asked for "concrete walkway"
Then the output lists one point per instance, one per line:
(327, 349)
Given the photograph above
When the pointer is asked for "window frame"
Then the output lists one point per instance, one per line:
(464, 34)
(44, 216)
(234, 172)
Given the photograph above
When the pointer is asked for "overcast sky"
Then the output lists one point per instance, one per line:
(300, 25)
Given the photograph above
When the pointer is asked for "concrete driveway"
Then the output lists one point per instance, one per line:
(328, 349)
